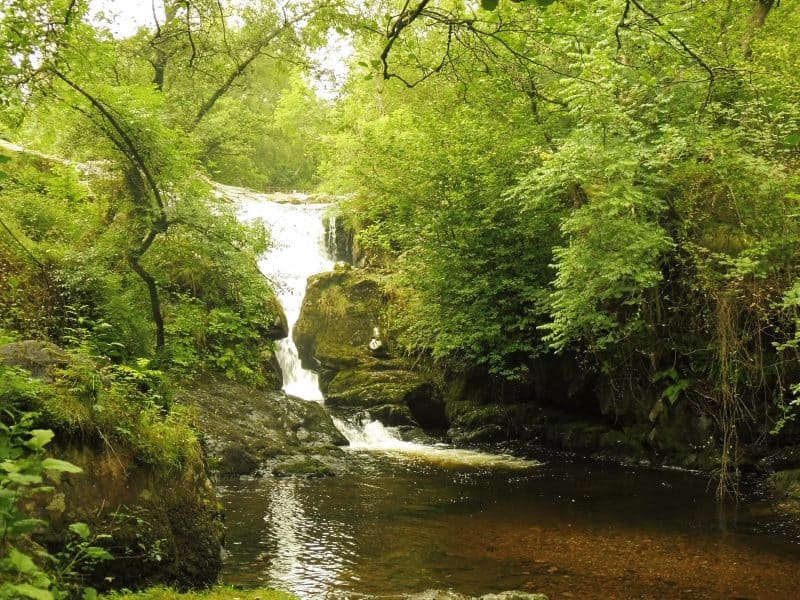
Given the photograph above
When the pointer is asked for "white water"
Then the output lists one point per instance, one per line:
(297, 251)
(373, 436)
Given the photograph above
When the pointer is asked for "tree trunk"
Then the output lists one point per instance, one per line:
(761, 10)
(152, 287)
(155, 300)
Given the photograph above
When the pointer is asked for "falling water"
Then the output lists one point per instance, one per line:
(333, 250)
(297, 251)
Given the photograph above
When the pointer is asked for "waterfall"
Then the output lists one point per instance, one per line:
(297, 251)
(373, 436)
(300, 248)
(333, 249)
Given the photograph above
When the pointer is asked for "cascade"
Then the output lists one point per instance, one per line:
(333, 250)
(297, 251)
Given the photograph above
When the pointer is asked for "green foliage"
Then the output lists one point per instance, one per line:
(578, 178)
(26, 569)
(127, 404)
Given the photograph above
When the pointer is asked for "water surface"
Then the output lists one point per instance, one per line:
(403, 524)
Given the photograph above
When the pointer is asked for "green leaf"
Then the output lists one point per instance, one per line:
(90, 594)
(97, 553)
(54, 464)
(22, 563)
(81, 529)
(24, 479)
(39, 438)
(24, 526)
(793, 140)
(29, 591)
(488, 4)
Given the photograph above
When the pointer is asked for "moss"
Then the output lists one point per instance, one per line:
(340, 312)
(217, 593)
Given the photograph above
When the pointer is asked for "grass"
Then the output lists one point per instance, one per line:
(217, 593)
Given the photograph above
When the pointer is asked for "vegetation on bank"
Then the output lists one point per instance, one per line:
(220, 593)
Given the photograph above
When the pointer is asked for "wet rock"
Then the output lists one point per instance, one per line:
(164, 524)
(782, 459)
(392, 415)
(474, 422)
(623, 445)
(279, 328)
(35, 356)
(249, 432)
(786, 484)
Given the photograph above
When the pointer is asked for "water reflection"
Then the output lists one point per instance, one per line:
(309, 549)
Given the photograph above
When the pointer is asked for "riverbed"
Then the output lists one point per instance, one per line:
(400, 524)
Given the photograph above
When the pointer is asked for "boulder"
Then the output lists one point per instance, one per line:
(279, 328)
(341, 312)
(36, 356)
(342, 334)
(251, 432)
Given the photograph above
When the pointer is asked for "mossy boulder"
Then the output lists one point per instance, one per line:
(340, 314)
(343, 335)
(249, 432)
(473, 422)
(279, 327)
(164, 524)
(392, 415)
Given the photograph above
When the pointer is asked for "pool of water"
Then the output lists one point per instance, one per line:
(404, 523)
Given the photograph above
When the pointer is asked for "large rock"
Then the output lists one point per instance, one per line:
(343, 334)
(279, 328)
(341, 312)
(35, 356)
(255, 432)
(165, 525)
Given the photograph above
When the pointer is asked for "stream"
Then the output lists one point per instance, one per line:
(409, 517)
